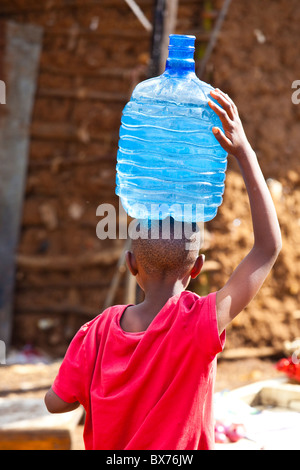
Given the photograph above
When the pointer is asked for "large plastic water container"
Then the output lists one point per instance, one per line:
(169, 162)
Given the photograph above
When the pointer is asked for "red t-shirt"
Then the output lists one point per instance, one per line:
(151, 390)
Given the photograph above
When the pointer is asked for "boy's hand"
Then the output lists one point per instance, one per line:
(233, 139)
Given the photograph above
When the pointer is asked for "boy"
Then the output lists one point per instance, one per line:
(145, 373)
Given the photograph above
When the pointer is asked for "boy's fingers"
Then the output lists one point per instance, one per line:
(224, 101)
(227, 97)
(222, 139)
(222, 113)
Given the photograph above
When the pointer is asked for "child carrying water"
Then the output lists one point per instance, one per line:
(145, 373)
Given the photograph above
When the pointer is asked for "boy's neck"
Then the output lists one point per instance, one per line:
(158, 293)
(138, 317)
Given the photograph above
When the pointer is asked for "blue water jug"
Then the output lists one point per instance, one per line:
(169, 162)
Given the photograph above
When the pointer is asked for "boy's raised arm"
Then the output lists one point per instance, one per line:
(248, 277)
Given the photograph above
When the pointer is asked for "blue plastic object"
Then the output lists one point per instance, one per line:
(169, 162)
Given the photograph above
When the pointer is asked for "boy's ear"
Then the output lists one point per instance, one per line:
(131, 262)
(197, 266)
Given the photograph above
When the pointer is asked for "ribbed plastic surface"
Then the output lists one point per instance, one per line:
(169, 162)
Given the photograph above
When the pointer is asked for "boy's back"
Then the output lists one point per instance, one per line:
(150, 389)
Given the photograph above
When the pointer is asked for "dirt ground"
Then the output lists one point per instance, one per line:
(32, 381)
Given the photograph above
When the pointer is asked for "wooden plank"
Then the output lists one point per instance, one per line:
(59, 309)
(72, 70)
(83, 93)
(84, 4)
(78, 5)
(25, 424)
(61, 163)
(241, 353)
(21, 58)
(280, 395)
(131, 34)
(66, 263)
(70, 133)
(39, 439)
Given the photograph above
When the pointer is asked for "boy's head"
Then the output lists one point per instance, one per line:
(166, 250)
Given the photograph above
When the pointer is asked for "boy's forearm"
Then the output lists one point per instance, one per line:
(265, 223)
(250, 274)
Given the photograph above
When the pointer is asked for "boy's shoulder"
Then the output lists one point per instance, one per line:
(190, 298)
(102, 319)
(189, 295)
(191, 304)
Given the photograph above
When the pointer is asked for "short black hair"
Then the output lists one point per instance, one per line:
(166, 248)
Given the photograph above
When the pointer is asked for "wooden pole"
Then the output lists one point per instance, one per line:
(120, 269)
(169, 28)
(139, 14)
(21, 59)
(130, 289)
(165, 18)
(213, 39)
(157, 37)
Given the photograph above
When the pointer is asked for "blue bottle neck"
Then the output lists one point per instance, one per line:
(180, 67)
(181, 56)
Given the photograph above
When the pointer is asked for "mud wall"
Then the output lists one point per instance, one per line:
(93, 55)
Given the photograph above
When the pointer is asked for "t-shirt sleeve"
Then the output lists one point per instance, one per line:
(207, 327)
(70, 383)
